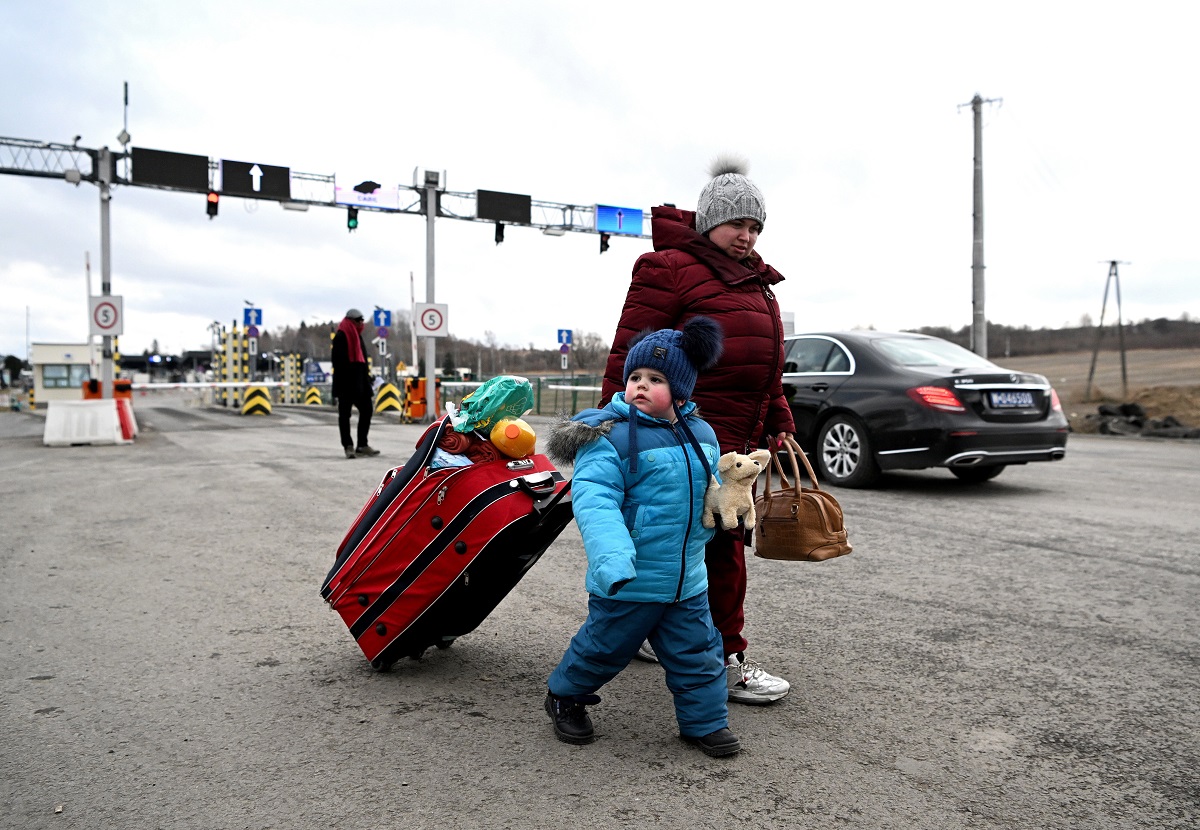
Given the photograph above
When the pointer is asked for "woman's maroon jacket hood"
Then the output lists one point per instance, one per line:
(687, 275)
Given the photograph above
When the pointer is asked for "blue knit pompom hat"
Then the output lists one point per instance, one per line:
(680, 355)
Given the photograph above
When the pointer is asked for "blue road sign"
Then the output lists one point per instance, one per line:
(564, 335)
(383, 318)
(252, 316)
(313, 373)
(564, 348)
(252, 331)
(612, 219)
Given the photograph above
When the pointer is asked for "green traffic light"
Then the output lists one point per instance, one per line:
(351, 218)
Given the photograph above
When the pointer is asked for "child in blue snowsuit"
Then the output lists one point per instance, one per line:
(642, 465)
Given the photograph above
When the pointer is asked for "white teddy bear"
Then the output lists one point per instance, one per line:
(733, 497)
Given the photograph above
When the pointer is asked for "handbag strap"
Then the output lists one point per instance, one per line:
(793, 449)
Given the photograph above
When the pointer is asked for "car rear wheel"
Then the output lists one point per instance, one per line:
(978, 475)
(844, 454)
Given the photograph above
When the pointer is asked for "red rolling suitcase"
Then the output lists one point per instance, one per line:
(434, 551)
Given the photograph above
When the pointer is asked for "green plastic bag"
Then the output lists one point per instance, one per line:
(504, 396)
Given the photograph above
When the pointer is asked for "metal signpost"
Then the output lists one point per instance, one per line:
(564, 339)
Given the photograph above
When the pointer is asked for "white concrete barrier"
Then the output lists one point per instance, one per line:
(83, 422)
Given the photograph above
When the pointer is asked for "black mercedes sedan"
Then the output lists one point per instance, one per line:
(866, 402)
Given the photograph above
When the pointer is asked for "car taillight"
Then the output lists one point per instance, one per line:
(1055, 403)
(936, 397)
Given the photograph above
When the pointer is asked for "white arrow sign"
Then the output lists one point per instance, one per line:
(382, 344)
(256, 178)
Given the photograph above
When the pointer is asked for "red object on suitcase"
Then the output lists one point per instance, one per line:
(434, 551)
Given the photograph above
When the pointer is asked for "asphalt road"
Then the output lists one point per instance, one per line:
(1021, 654)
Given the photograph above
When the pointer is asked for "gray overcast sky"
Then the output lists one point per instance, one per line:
(849, 114)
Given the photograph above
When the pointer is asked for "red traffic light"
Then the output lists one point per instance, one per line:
(604, 237)
(214, 199)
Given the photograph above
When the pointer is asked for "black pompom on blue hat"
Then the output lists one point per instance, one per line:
(679, 354)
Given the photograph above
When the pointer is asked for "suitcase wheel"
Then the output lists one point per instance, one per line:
(445, 642)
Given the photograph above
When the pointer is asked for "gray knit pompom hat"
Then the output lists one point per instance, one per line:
(728, 196)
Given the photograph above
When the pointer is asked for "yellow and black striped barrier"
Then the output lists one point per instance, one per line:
(257, 401)
(387, 399)
(29, 399)
(312, 396)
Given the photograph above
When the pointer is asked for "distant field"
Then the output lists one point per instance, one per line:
(1143, 367)
(1164, 381)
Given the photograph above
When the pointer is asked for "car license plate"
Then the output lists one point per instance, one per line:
(1012, 400)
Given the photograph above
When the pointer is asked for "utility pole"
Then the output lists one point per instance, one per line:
(1115, 279)
(978, 315)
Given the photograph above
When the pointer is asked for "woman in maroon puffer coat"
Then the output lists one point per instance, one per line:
(704, 263)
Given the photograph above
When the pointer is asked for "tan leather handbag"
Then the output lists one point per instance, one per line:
(794, 523)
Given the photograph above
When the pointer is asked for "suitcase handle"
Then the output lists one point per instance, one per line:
(536, 484)
(544, 506)
(539, 486)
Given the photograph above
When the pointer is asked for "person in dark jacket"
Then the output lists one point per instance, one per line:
(642, 466)
(352, 383)
(705, 263)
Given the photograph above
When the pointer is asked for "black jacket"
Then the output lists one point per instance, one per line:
(351, 380)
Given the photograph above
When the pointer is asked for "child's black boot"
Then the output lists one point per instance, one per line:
(717, 744)
(571, 721)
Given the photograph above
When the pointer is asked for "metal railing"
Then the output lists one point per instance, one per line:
(550, 394)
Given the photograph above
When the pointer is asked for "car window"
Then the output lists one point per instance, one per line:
(838, 360)
(806, 355)
(914, 351)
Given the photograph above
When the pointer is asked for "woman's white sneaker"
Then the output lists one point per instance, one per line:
(646, 653)
(750, 683)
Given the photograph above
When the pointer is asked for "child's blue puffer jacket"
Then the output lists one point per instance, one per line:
(640, 521)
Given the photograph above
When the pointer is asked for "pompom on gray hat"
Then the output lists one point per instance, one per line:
(680, 355)
(729, 195)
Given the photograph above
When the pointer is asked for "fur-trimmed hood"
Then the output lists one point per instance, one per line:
(567, 437)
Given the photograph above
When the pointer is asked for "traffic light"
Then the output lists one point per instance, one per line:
(214, 200)
(351, 218)
(499, 232)
(604, 237)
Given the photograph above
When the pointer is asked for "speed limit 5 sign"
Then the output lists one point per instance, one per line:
(107, 317)
(431, 319)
